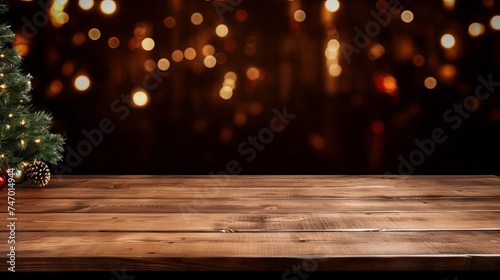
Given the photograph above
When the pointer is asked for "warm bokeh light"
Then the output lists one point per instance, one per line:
(381, 5)
(241, 15)
(495, 22)
(177, 55)
(78, 39)
(449, 4)
(149, 65)
(57, 15)
(226, 92)
(21, 44)
(333, 44)
(407, 16)
(334, 70)
(108, 7)
(210, 61)
(378, 127)
(299, 16)
(390, 84)
(430, 82)
(447, 71)
(163, 64)
(418, 60)
(169, 22)
(148, 44)
(140, 30)
(61, 19)
(82, 83)
(376, 51)
(113, 42)
(332, 5)
(476, 29)
(23, 49)
(240, 119)
(221, 30)
(86, 4)
(221, 57)
(189, 53)
(140, 98)
(331, 53)
(386, 83)
(134, 43)
(94, 34)
(448, 41)
(68, 68)
(253, 73)
(230, 76)
(230, 83)
(196, 18)
(54, 89)
(208, 50)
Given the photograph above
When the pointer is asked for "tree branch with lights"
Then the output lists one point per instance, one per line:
(26, 143)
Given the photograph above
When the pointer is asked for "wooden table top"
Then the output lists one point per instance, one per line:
(256, 223)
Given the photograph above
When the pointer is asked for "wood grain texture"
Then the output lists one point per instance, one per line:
(254, 223)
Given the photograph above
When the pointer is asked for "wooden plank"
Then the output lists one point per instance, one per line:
(282, 180)
(169, 205)
(244, 222)
(258, 223)
(263, 251)
(144, 191)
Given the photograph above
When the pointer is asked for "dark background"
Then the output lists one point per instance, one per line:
(343, 125)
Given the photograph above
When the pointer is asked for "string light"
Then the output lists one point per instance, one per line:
(23, 144)
(38, 141)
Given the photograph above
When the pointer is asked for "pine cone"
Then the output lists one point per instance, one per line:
(38, 173)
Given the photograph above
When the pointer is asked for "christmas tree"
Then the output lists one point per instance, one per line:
(25, 137)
